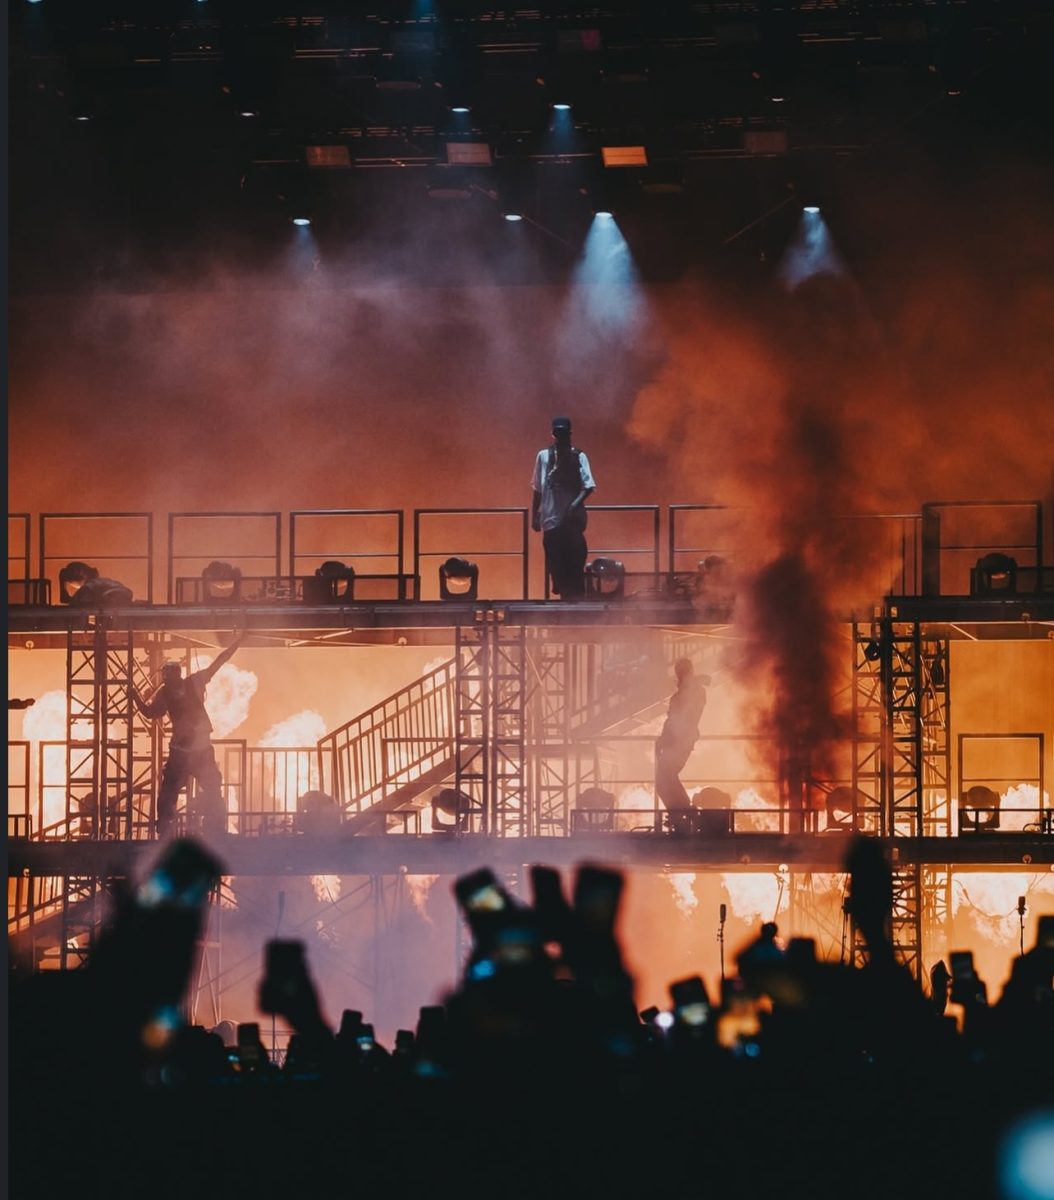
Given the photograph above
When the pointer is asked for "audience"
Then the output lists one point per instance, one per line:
(537, 1077)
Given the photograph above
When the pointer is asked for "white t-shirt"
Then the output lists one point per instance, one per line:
(558, 490)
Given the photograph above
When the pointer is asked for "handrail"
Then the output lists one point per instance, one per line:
(355, 760)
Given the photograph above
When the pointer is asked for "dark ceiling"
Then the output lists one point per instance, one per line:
(159, 141)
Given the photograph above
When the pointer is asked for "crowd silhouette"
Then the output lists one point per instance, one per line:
(537, 1076)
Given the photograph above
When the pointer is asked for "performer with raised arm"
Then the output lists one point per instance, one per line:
(190, 754)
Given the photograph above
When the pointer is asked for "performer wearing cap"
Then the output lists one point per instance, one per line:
(561, 482)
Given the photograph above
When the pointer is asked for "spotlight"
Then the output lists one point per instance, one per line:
(247, 113)
(993, 573)
(460, 109)
(812, 209)
(454, 804)
(561, 107)
(458, 579)
(301, 221)
(82, 586)
(873, 651)
(606, 577)
(333, 583)
(979, 809)
(840, 805)
(222, 583)
(316, 813)
(513, 216)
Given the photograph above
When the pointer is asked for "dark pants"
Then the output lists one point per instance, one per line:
(181, 767)
(565, 560)
(670, 758)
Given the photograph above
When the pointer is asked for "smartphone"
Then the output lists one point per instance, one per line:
(690, 1001)
(962, 964)
(480, 892)
(598, 892)
(285, 974)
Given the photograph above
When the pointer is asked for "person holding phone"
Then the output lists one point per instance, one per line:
(560, 485)
(190, 753)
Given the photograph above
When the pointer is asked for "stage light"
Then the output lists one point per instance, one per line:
(993, 573)
(222, 583)
(513, 216)
(458, 579)
(460, 109)
(333, 583)
(561, 107)
(301, 221)
(778, 99)
(604, 214)
(811, 209)
(938, 675)
(606, 577)
(454, 804)
(82, 586)
(873, 651)
(979, 809)
(624, 156)
(247, 113)
(72, 578)
(840, 804)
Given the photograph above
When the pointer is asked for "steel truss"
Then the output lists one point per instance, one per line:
(902, 763)
(490, 715)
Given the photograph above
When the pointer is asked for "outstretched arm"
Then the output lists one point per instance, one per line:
(224, 656)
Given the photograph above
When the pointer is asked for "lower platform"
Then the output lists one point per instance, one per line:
(442, 854)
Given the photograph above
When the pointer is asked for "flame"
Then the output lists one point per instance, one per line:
(46, 722)
(228, 696)
(301, 729)
(990, 898)
(755, 822)
(754, 897)
(419, 886)
(1022, 796)
(327, 887)
(301, 770)
(683, 895)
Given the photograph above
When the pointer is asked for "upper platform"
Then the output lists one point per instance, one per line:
(384, 575)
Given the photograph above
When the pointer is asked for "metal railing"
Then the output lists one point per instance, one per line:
(390, 745)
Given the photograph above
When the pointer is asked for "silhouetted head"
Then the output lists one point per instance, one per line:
(171, 673)
(562, 429)
(682, 668)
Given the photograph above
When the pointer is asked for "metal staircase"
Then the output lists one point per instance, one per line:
(508, 720)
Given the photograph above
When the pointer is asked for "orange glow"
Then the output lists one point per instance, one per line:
(683, 895)
(228, 696)
(418, 887)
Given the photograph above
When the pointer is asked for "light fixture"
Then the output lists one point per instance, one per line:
(222, 583)
(812, 209)
(992, 574)
(561, 107)
(332, 583)
(606, 577)
(841, 804)
(460, 109)
(513, 216)
(82, 586)
(624, 156)
(458, 579)
(301, 221)
(979, 809)
(938, 675)
(452, 803)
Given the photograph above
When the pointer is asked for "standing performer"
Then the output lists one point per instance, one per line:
(677, 739)
(561, 482)
(190, 753)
